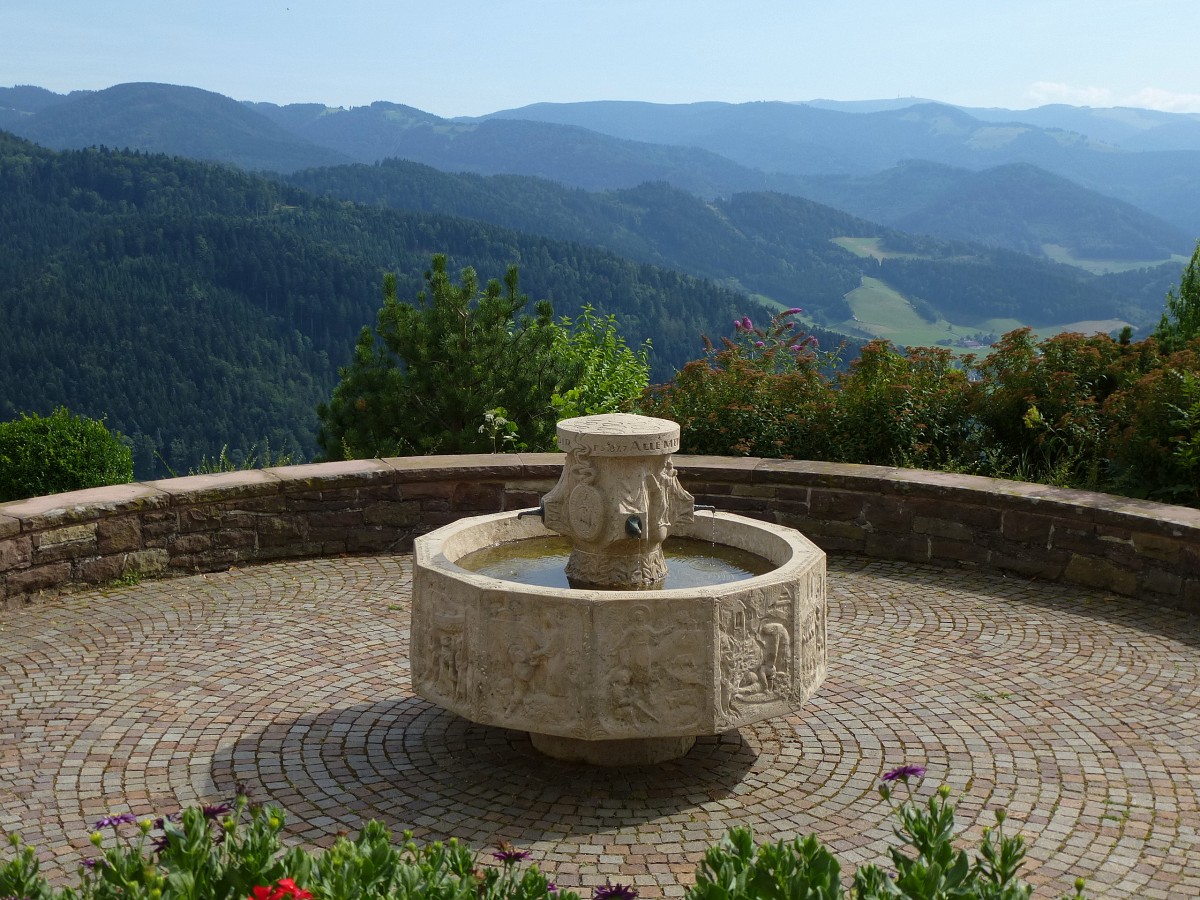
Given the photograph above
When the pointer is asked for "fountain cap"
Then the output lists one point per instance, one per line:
(618, 434)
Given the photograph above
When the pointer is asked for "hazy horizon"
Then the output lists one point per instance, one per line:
(469, 57)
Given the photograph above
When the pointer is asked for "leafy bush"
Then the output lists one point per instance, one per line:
(772, 392)
(926, 865)
(1153, 429)
(233, 852)
(610, 377)
(60, 452)
(904, 409)
(1040, 407)
(1181, 319)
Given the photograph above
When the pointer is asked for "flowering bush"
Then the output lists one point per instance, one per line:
(760, 393)
(233, 852)
(1072, 411)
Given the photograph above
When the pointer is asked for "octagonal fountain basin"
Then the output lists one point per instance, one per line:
(617, 677)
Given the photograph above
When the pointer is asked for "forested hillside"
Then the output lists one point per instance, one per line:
(895, 165)
(803, 140)
(776, 245)
(196, 306)
(1016, 207)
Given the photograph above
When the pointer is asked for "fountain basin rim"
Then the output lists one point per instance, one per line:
(784, 548)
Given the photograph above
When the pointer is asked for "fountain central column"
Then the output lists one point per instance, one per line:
(617, 499)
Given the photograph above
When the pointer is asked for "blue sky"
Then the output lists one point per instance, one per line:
(468, 57)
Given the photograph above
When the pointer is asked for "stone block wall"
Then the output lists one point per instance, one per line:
(211, 522)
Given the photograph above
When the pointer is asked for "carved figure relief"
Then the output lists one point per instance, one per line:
(812, 650)
(531, 665)
(756, 652)
(653, 677)
(439, 629)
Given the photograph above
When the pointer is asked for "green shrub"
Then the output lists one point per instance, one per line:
(1153, 430)
(926, 865)
(60, 452)
(611, 377)
(902, 409)
(233, 852)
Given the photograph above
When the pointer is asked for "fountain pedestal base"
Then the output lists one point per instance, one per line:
(619, 752)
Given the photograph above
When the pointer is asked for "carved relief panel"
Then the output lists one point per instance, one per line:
(756, 637)
(530, 654)
(652, 667)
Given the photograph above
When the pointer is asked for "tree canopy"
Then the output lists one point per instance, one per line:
(1181, 319)
(423, 380)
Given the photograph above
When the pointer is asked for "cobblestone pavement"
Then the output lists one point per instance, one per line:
(1076, 710)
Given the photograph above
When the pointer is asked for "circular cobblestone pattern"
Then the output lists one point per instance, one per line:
(1076, 710)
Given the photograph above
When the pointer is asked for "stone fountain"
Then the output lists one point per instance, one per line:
(616, 668)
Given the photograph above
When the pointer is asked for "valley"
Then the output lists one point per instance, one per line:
(234, 250)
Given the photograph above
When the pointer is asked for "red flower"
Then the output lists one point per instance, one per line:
(281, 890)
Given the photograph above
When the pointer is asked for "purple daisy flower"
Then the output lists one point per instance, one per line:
(618, 891)
(215, 810)
(903, 773)
(510, 855)
(114, 821)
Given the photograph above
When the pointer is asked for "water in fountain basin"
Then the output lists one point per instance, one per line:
(542, 562)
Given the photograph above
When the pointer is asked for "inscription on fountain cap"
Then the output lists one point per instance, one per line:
(618, 434)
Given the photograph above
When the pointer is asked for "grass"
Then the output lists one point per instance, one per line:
(1060, 254)
(870, 246)
(882, 312)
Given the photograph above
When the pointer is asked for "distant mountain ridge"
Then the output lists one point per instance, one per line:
(710, 149)
(181, 121)
(799, 139)
(1015, 206)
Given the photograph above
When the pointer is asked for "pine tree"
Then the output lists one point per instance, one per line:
(425, 378)
(1181, 320)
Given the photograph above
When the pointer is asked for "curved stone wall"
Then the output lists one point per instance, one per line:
(211, 522)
